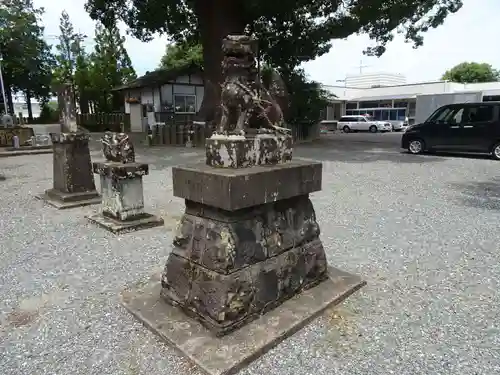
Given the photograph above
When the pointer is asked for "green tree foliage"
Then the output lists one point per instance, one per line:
(27, 61)
(472, 72)
(110, 67)
(182, 54)
(68, 50)
(291, 32)
(306, 98)
(73, 65)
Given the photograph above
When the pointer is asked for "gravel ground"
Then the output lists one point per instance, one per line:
(421, 230)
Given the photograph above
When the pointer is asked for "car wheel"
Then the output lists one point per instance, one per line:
(373, 129)
(346, 129)
(495, 151)
(416, 146)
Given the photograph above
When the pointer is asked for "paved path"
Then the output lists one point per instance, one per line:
(423, 231)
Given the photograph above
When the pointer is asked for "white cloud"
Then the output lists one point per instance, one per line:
(469, 35)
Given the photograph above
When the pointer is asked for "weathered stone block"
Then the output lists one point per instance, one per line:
(72, 165)
(235, 151)
(122, 208)
(121, 189)
(234, 189)
(224, 302)
(226, 241)
(74, 183)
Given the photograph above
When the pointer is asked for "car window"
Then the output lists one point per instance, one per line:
(480, 113)
(440, 114)
(455, 117)
(361, 119)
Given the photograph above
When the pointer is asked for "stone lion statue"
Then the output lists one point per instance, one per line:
(118, 148)
(246, 103)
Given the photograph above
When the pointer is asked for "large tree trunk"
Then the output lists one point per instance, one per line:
(84, 102)
(10, 102)
(216, 20)
(28, 103)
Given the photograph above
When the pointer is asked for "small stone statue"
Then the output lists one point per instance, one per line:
(245, 102)
(118, 148)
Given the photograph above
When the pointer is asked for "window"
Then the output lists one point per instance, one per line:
(393, 115)
(482, 113)
(401, 114)
(385, 115)
(351, 105)
(185, 103)
(377, 114)
(368, 104)
(456, 116)
(440, 114)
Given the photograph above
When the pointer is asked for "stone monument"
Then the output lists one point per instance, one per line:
(122, 208)
(248, 240)
(74, 183)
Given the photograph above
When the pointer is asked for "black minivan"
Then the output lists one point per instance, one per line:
(464, 127)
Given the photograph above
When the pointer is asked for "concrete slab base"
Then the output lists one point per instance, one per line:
(64, 204)
(21, 152)
(116, 226)
(228, 354)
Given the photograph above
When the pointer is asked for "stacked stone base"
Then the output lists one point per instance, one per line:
(237, 257)
(223, 303)
(74, 183)
(122, 208)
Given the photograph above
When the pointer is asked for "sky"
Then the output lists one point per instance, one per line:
(464, 36)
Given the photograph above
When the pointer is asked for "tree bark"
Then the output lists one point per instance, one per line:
(28, 103)
(216, 20)
(84, 102)
(10, 102)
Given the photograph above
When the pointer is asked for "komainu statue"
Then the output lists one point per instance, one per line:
(118, 148)
(245, 102)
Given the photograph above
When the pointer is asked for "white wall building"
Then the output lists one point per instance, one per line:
(399, 96)
(162, 96)
(370, 80)
(20, 106)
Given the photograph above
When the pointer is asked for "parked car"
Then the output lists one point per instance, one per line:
(463, 127)
(363, 123)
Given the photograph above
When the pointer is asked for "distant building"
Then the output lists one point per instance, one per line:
(351, 100)
(20, 106)
(369, 80)
(162, 96)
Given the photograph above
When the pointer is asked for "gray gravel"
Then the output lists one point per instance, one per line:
(423, 231)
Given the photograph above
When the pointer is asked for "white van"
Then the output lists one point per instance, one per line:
(363, 123)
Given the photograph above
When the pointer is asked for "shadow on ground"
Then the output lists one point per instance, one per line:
(359, 152)
(481, 194)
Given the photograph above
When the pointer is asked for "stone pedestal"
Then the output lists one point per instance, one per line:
(74, 183)
(235, 151)
(122, 208)
(247, 241)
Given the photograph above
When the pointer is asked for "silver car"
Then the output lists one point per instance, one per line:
(363, 123)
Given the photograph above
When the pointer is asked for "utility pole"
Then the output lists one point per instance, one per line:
(361, 66)
(2, 84)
